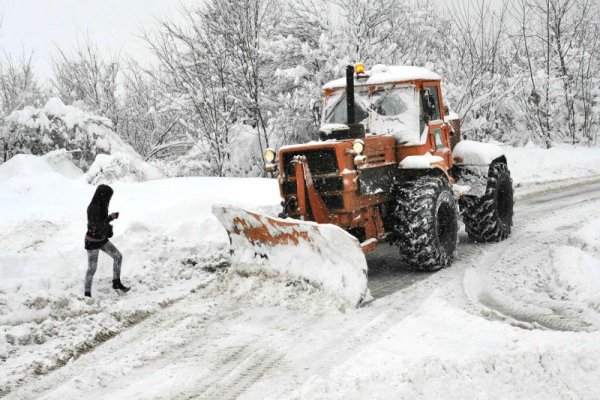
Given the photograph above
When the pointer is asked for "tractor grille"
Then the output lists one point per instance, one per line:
(320, 161)
(321, 185)
(334, 202)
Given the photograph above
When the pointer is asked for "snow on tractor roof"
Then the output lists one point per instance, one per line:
(381, 74)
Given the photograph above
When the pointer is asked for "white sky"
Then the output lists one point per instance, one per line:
(42, 25)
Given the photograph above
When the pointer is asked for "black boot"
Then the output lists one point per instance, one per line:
(88, 294)
(117, 285)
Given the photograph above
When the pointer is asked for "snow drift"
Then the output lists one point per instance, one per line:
(588, 237)
(121, 167)
(534, 165)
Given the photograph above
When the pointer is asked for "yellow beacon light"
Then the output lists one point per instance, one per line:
(359, 68)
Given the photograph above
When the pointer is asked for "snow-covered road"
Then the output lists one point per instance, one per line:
(503, 321)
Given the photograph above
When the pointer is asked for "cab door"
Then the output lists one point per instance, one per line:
(439, 131)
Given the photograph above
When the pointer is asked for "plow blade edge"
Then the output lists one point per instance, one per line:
(324, 254)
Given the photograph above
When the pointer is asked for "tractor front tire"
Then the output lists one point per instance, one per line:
(489, 218)
(426, 223)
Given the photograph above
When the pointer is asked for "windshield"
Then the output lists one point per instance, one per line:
(394, 110)
(336, 111)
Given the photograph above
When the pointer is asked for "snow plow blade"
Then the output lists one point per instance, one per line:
(323, 254)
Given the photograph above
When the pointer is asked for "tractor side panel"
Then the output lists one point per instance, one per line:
(377, 179)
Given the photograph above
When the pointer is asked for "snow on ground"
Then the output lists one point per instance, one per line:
(518, 319)
(532, 165)
(166, 232)
(588, 237)
(528, 328)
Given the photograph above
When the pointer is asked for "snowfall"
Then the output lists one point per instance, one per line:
(511, 320)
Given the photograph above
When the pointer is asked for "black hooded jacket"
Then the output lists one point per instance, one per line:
(98, 228)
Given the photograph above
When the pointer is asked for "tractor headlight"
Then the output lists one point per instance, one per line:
(270, 155)
(358, 146)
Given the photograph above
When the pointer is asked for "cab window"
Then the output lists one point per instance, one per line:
(431, 103)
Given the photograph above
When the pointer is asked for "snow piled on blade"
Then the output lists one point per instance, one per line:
(324, 255)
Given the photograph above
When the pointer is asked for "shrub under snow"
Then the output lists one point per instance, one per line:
(59, 126)
(121, 167)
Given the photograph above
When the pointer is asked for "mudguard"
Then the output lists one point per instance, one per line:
(471, 164)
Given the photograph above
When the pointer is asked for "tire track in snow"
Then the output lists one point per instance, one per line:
(247, 373)
(517, 282)
(144, 330)
(238, 368)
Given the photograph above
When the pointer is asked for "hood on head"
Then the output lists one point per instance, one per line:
(102, 195)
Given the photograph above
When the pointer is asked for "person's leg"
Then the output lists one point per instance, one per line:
(89, 275)
(117, 257)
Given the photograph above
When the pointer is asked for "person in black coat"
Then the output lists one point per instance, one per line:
(99, 231)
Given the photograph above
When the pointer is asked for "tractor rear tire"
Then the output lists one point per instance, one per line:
(489, 218)
(426, 223)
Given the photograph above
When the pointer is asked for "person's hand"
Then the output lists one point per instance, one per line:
(114, 215)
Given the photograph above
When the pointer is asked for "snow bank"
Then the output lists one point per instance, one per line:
(62, 162)
(121, 167)
(325, 255)
(578, 272)
(588, 237)
(534, 165)
(25, 171)
(23, 166)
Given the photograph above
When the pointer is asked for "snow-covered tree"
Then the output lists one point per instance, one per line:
(58, 126)
(147, 120)
(18, 84)
(88, 79)
(18, 87)
(559, 46)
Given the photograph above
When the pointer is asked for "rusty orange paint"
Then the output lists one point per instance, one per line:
(369, 247)
(363, 211)
(261, 234)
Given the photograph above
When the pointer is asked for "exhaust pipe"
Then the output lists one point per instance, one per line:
(355, 130)
(350, 111)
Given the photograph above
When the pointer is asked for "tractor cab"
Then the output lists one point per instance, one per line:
(388, 101)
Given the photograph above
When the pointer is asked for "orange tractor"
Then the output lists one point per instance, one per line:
(390, 166)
